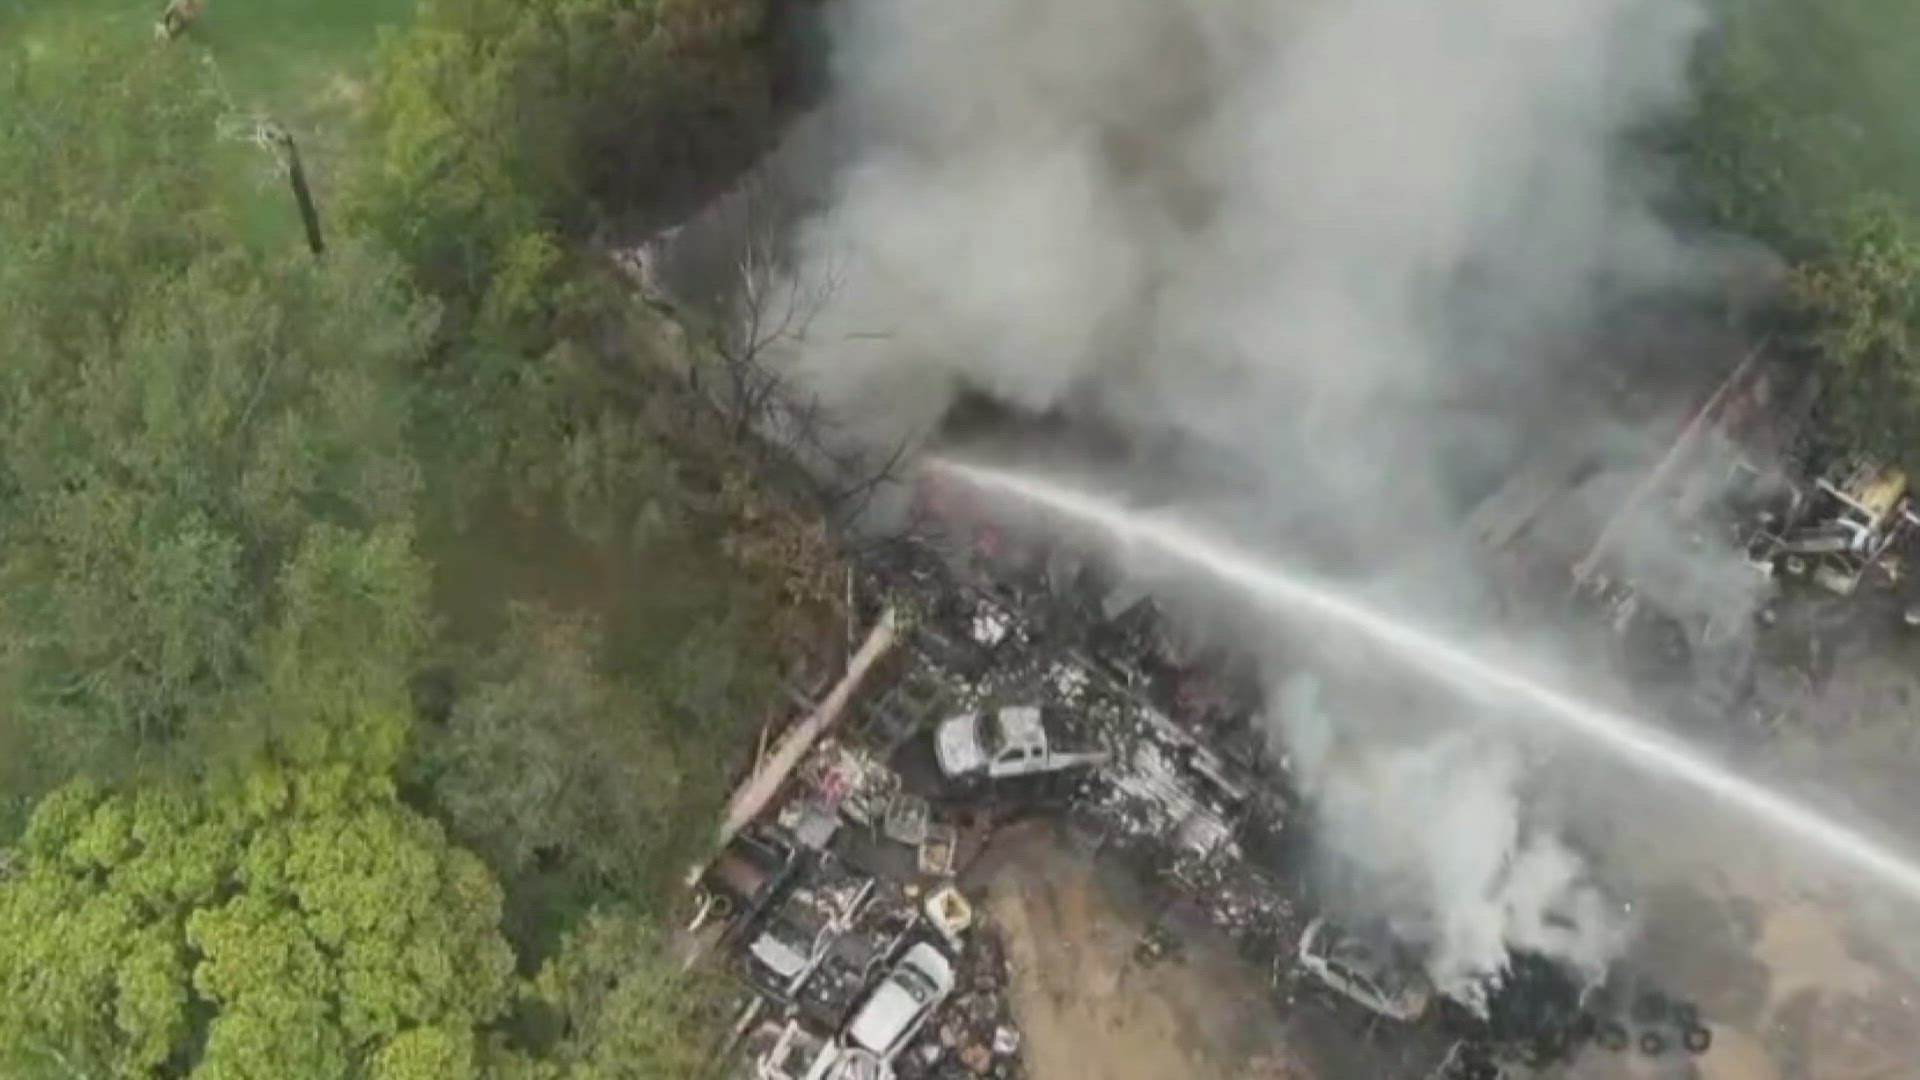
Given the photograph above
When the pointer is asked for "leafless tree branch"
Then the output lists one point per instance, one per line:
(764, 316)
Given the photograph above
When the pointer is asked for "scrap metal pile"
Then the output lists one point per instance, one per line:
(1031, 683)
(1732, 566)
(1845, 530)
(996, 709)
(1024, 691)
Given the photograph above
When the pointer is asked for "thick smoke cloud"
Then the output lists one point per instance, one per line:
(1344, 244)
(1193, 211)
(1427, 828)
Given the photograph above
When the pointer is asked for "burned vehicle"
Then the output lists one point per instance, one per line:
(752, 871)
(903, 1002)
(789, 947)
(1000, 743)
(1366, 969)
(792, 938)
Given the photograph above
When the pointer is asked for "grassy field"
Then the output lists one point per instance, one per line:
(298, 62)
(281, 55)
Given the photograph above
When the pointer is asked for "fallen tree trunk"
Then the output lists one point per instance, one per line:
(759, 789)
(1702, 420)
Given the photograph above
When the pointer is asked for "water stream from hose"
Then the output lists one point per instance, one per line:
(1273, 588)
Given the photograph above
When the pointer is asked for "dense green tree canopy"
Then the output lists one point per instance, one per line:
(1804, 138)
(630, 1014)
(1863, 301)
(1804, 110)
(544, 754)
(581, 784)
(204, 457)
(245, 495)
(303, 925)
(495, 120)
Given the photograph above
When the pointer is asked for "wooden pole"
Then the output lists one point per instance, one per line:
(282, 141)
(309, 214)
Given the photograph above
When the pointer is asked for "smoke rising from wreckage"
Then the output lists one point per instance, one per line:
(1382, 286)
(1168, 223)
(1203, 819)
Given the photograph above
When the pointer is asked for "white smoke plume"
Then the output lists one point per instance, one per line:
(1429, 827)
(1200, 211)
(1353, 245)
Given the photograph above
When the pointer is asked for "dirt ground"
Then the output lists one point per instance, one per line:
(1088, 1008)
(1791, 993)
(1797, 976)
(1803, 976)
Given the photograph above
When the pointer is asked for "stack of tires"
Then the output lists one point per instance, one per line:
(1652, 1023)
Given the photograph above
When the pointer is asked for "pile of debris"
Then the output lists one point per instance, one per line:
(1541, 1016)
(863, 958)
(1160, 790)
(976, 1036)
(852, 871)
(1021, 688)
(855, 977)
(1846, 530)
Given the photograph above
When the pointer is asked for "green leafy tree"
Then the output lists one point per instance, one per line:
(1862, 302)
(499, 134)
(577, 783)
(630, 1013)
(302, 925)
(1803, 138)
(1803, 110)
(204, 458)
(496, 120)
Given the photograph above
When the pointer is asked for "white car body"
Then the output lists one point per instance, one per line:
(896, 1009)
(1009, 742)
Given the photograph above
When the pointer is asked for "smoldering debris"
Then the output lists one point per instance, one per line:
(1345, 244)
(1367, 255)
(1213, 840)
(1431, 834)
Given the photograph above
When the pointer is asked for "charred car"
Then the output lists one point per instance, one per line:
(1368, 969)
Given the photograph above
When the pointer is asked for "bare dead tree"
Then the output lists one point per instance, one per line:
(773, 303)
(757, 322)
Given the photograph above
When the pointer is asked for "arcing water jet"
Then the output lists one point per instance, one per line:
(1276, 589)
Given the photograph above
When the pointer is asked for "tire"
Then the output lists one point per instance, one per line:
(1652, 1043)
(1697, 1038)
(1611, 1036)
